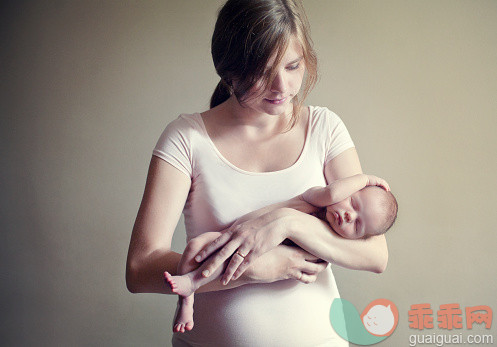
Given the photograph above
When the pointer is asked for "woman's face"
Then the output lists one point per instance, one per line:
(277, 97)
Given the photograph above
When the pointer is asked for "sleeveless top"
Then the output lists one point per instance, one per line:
(284, 313)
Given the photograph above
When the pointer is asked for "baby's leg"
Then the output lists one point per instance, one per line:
(187, 284)
(183, 319)
(184, 285)
(190, 274)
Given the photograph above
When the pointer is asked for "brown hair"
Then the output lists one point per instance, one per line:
(247, 34)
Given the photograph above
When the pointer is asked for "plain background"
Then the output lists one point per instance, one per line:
(88, 86)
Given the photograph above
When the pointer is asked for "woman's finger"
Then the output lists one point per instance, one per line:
(212, 247)
(306, 278)
(236, 260)
(296, 274)
(313, 268)
(219, 258)
(310, 257)
(307, 256)
(243, 266)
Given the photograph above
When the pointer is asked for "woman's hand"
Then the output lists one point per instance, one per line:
(284, 262)
(244, 243)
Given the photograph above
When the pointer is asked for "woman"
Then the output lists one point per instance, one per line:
(256, 145)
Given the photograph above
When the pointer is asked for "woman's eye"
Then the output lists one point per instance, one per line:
(293, 67)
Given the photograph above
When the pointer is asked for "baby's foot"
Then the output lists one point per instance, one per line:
(183, 319)
(181, 285)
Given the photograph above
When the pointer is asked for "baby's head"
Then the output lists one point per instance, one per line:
(370, 211)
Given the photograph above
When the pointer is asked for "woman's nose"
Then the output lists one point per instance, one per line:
(279, 84)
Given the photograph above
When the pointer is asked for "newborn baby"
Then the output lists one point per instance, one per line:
(356, 207)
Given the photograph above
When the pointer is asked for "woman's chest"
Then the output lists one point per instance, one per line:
(262, 156)
(259, 149)
(221, 193)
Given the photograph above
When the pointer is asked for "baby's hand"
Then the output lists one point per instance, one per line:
(376, 181)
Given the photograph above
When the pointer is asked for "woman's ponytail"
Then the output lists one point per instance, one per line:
(221, 94)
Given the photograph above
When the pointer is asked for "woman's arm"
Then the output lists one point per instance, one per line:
(369, 254)
(316, 236)
(281, 263)
(150, 253)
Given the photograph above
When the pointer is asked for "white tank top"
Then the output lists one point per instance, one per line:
(285, 313)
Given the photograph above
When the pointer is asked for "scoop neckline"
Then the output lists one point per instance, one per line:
(236, 168)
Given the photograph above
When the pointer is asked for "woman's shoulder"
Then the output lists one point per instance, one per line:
(322, 116)
(184, 122)
(185, 125)
(329, 131)
(185, 129)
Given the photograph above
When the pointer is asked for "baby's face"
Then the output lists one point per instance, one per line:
(357, 216)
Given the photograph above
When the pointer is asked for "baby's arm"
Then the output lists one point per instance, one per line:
(341, 189)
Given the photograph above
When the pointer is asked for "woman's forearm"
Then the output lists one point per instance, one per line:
(283, 262)
(316, 237)
(146, 273)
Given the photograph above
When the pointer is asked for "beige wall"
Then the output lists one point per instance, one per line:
(87, 88)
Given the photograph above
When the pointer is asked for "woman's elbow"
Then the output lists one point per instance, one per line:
(130, 283)
(380, 262)
(381, 265)
(132, 275)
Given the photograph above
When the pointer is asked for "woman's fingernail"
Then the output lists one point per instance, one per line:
(198, 258)
(205, 273)
(225, 282)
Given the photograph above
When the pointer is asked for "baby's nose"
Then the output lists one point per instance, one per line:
(349, 216)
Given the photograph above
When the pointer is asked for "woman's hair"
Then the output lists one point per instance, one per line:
(247, 34)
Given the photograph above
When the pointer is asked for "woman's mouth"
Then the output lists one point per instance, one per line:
(276, 101)
(338, 218)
